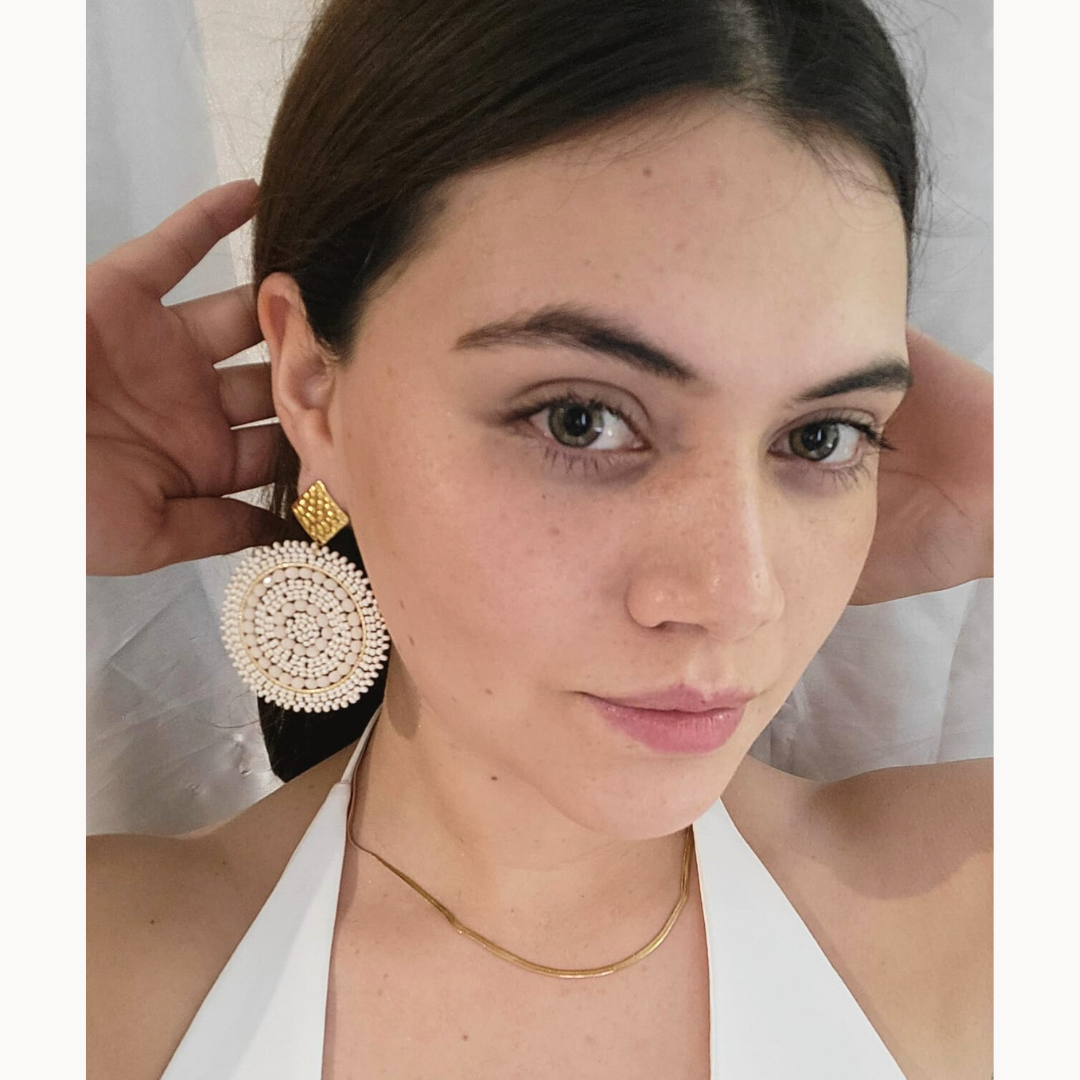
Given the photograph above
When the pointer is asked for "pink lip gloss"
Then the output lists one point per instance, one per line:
(670, 731)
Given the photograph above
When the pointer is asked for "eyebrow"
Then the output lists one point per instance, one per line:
(577, 327)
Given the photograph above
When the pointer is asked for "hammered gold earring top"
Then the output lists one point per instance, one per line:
(320, 516)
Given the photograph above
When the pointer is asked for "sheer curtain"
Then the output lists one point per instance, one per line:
(180, 96)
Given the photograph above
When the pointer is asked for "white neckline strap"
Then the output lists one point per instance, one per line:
(265, 1016)
(779, 1009)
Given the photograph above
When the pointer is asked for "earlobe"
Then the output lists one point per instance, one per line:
(301, 371)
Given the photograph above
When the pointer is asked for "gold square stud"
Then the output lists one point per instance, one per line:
(320, 516)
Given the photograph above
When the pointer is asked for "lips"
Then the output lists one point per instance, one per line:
(686, 699)
(670, 731)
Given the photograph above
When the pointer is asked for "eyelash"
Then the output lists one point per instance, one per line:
(554, 453)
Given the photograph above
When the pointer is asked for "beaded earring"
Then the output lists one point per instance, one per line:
(300, 622)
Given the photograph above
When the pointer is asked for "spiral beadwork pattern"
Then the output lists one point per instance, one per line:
(302, 627)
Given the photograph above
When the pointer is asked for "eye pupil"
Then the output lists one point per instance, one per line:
(577, 422)
(815, 441)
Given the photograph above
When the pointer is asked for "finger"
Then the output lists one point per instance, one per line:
(255, 462)
(917, 342)
(164, 256)
(256, 457)
(246, 393)
(914, 334)
(199, 528)
(222, 324)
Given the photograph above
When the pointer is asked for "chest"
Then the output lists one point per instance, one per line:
(456, 1012)
(408, 998)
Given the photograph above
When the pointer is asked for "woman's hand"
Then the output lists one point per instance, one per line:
(160, 451)
(935, 524)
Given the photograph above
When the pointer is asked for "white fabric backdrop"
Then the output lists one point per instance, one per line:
(180, 96)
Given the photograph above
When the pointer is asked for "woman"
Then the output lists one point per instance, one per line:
(591, 319)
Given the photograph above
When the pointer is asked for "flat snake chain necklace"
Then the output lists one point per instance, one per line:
(505, 954)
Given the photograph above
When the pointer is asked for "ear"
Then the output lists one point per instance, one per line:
(303, 376)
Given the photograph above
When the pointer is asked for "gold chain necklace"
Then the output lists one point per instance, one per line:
(505, 954)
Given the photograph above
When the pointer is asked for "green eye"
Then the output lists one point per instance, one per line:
(579, 424)
(581, 432)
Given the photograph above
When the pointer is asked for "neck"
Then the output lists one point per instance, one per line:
(501, 857)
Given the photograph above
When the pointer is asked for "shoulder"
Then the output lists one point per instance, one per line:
(910, 855)
(919, 838)
(892, 873)
(165, 913)
(923, 833)
(160, 916)
(920, 819)
(943, 810)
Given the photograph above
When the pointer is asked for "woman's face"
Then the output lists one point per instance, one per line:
(525, 554)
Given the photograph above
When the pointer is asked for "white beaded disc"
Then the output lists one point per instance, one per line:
(302, 627)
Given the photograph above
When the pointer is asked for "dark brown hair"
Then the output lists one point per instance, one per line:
(390, 98)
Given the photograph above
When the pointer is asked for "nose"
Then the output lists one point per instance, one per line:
(703, 558)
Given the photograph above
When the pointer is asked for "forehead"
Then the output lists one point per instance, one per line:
(702, 226)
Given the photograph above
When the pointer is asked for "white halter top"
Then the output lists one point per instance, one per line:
(779, 1010)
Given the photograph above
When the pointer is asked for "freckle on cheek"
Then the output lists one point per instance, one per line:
(411, 641)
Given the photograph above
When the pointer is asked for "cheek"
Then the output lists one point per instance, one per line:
(824, 548)
(468, 567)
